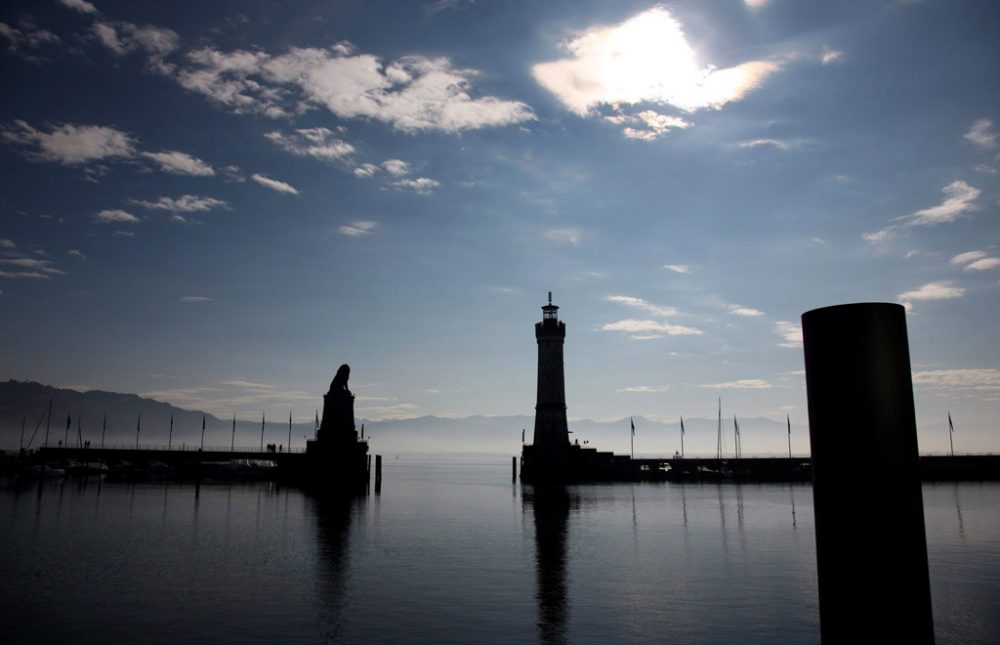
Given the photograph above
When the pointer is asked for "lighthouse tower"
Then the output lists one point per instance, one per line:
(551, 429)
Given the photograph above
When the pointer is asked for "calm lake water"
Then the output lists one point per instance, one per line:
(452, 552)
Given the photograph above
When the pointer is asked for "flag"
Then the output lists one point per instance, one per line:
(951, 427)
(203, 422)
(682, 425)
(633, 425)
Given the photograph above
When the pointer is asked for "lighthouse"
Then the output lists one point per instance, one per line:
(551, 429)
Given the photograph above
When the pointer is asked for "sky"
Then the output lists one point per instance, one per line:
(216, 204)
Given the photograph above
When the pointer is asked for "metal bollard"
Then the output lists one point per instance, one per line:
(871, 548)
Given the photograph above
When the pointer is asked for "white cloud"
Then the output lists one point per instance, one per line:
(790, 333)
(412, 94)
(652, 124)
(32, 275)
(976, 261)
(124, 37)
(422, 185)
(71, 144)
(79, 5)
(831, 56)
(756, 4)
(196, 299)
(27, 36)
(968, 256)
(359, 228)
(396, 167)
(976, 379)
(124, 234)
(274, 184)
(32, 265)
(742, 384)
(366, 170)
(738, 310)
(225, 79)
(677, 268)
(651, 328)
(116, 215)
(76, 253)
(180, 163)
(879, 237)
(941, 290)
(7, 244)
(183, 204)
(643, 389)
(766, 143)
(981, 134)
(645, 59)
(571, 236)
(319, 143)
(639, 303)
(960, 199)
(984, 264)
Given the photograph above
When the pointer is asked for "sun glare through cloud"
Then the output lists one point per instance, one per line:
(645, 59)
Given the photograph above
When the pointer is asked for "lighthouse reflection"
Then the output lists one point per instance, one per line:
(550, 507)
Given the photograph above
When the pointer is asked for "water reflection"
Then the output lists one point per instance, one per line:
(550, 509)
(333, 515)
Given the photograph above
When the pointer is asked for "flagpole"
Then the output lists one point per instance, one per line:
(138, 427)
(104, 428)
(951, 433)
(632, 439)
(789, 420)
(170, 436)
(736, 438)
(202, 431)
(232, 442)
(262, 432)
(682, 437)
(290, 430)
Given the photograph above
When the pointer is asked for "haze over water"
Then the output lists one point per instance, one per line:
(452, 551)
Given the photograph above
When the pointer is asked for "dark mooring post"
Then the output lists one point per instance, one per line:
(513, 469)
(378, 473)
(871, 548)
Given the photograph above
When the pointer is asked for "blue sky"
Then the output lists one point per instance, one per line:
(216, 205)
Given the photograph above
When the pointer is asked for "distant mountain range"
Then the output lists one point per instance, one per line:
(29, 401)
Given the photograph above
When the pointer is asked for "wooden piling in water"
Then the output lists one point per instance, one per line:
(513, 469)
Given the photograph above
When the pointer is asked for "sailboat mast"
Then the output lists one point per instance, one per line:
(48, 423)
(718, 433)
